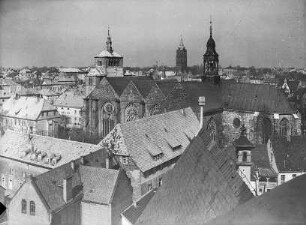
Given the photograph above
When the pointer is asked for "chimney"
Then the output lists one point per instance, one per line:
(82, 160)
(72, 164)
(67, 189)
(201, 104)
(107, 162)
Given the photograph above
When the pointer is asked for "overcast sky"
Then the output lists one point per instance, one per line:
(70, 33)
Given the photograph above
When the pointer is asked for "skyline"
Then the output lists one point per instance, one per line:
(70, 33)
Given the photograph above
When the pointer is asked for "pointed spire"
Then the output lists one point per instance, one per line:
(210, 27)
(181, 42)
(109, 41)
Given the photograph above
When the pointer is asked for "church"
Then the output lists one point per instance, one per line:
(113, 99)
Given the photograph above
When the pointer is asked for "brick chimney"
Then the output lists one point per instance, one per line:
(67, 189)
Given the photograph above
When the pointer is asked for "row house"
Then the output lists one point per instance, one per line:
(148, 148)
(8, 88)
(30, 114)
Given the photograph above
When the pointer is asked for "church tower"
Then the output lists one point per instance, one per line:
(211, 60)
(181, 58)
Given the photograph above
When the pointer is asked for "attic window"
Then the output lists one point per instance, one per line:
(157, 157)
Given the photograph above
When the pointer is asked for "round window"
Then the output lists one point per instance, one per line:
(108, 108)
(236, 123)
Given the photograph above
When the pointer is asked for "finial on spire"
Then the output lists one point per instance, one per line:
(181, 41)
(210, 26)
(108, 30)
(109, 41)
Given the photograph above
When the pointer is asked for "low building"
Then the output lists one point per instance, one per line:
(70, 104)
(147, 148)
(22, 154)
(30, 114)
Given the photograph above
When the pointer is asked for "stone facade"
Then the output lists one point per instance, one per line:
(260, 127)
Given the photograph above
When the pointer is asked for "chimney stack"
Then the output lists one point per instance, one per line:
(201, 104)
(107, 162)
(67, 189)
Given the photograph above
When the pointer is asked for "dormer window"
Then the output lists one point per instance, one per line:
(157, 157)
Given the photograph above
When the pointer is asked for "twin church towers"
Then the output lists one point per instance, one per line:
(210, 58)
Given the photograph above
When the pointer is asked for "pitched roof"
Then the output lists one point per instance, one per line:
(8, 82)
(69, 70)
(50, 185)
(47, 92)
(98, 184)
(290, 156)
(202, 185)
(72, 99)
(144, 86)
(255, 98)
(66, 149)
(166, 134)
(166, 86)
(132, 213)
(261, 162)
(25, 107)
(284, 204)
(106, 53)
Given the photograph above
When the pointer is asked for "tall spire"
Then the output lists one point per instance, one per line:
(210, 27)
(181, 42)
(109, 42)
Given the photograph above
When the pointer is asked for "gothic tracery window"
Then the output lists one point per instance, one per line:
(131, 113)
(107, 118)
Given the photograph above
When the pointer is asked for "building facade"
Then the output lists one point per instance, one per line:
(181, 58)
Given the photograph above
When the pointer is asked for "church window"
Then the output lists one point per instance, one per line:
(131, 113)
(24, 206)
(32, 208)
(236, 122)
(155, 110)
(284, 123)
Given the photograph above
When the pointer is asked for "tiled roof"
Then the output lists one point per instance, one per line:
(98, 184)
(25, 107)
(261, 162)
(284, 204)
(8, 82)
(164, 133)
(211, 93)
(66, 149)
(243, 141)
(47, 92)
(202, 185)
(166, 86)
(144, 86)
(72, 99)
(50, 185)
(106, 53)
(69, 70)
(132, 213)
(96, 71)
(255, 98)
(290, 156)
(293, 85)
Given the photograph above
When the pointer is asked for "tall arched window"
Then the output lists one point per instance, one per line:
(108, 118)
(131, 113)
(32, 208)
(284, 127)
(24, 206)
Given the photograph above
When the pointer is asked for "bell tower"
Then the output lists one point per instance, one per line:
(211, 60)
(181, 58)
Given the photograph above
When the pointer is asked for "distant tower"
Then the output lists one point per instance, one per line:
(181, 58)
(211, 60)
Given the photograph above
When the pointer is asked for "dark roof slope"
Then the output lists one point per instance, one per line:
(255, 98)
(285, 204)
(144, 86)
(50, 185)
(290, 156)
(132, 213)
(120, 83)
(203, 184)
(166, 86)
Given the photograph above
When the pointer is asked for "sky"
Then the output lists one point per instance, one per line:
(70, 33)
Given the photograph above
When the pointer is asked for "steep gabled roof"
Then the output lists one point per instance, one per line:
(166, 86)
(284, 204)
(255, 98)
(98, 184)
(167, 134)
(72, 99)
(202, 185)
(144, 86)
